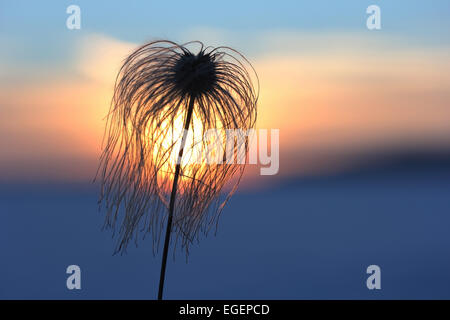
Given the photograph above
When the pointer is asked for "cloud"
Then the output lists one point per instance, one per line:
(332, 95)
(57, 122)
(100, 57)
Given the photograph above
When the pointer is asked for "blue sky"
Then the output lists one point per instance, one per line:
(43, 23)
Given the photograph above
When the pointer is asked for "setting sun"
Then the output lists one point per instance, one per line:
(166, 141)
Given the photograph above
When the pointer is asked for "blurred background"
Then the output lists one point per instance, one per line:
(364, 177)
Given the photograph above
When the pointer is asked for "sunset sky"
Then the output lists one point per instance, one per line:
(336, 90)
(364, 172)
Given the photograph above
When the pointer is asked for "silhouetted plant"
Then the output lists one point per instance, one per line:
(146, 175)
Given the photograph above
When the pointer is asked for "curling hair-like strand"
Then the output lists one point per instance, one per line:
(160, 86)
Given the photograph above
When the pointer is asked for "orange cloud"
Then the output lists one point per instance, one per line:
(327, 94)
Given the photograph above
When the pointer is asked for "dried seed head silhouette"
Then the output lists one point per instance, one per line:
(146, 174)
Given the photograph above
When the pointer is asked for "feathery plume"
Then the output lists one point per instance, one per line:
(166, 98)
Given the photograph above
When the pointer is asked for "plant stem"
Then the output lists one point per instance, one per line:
(172, 198)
